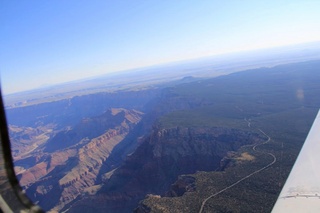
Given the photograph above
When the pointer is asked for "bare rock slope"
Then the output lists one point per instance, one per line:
(71, 161)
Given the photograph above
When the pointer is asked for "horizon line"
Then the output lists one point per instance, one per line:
(122, 71)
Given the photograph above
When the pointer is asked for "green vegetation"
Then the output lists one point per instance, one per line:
(281, 101)
(204, 117)
(258, 193)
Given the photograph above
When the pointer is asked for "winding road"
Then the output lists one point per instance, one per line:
(254, 148)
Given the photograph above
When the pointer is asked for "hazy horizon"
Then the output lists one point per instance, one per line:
(48, 43)
(166, 64)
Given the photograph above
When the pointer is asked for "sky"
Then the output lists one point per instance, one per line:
(49, 42)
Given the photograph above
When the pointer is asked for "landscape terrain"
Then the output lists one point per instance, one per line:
(159, 106)
(196, 143)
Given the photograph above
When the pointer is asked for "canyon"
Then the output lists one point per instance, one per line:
(166, 148)
(70, 163)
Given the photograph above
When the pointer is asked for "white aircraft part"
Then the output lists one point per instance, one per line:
(301, 192)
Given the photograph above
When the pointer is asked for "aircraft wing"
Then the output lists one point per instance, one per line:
(301, 192)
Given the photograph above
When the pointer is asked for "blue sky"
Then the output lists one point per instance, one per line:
(48, 42)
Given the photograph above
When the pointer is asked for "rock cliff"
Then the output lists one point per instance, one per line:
(159, 160)
(71, 161)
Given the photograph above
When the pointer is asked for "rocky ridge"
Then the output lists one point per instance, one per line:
(67, 168)
(159, 160)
